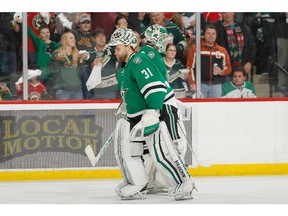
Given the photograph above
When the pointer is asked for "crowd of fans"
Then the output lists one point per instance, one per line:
(69, 59)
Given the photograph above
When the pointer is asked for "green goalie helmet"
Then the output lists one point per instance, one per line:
(123, 36)
(157, 35)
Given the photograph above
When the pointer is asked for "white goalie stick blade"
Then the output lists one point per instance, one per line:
(91, 155)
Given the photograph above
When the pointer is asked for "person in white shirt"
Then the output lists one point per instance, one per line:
(238, 87)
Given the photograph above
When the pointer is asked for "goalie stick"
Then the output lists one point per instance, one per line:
(91, 155)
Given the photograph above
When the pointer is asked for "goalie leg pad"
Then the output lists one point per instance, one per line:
(150, 169)
(167, 160)
(156, 182)
(128, 158)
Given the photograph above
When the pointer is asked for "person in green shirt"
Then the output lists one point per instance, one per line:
(44, 48)
(66, 67)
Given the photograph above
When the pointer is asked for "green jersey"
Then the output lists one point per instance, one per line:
(156, 58)
(65, 75)
(108, 72)
(179, 85)
(247, 90)
(43, 53)
(142, 86)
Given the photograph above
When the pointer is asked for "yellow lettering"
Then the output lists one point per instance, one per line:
(31, 143)
(60, 141)
(48, 140)
(86, 131)
(7, 134)
(12, 148)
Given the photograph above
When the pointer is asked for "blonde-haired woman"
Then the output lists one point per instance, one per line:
(66, 68)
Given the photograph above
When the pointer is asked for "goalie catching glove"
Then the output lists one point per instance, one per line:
(148, 125)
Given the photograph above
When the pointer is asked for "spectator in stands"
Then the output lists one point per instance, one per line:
(215, 64)
(44, 48)
(10, 41)
(5, 93)
(83, 35)
(135, 21)
(120, 22)
(281, 35)
(177, 74)
(104, 55)
(261, 30)
(84, 41)
(237, 39)
(36, 89)
(177, 18)
(66, 69)
(34, 21)
(238, 87)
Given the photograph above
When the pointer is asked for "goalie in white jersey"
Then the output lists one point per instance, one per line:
(151, 118)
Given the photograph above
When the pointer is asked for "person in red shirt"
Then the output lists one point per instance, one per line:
(36, 89)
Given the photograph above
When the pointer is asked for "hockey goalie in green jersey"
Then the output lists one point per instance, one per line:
(152, 117)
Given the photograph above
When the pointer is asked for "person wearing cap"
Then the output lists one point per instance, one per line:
(84, 42)
(83, 35)
(36, 89)
(103, 55)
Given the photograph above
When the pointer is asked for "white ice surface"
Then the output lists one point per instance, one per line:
(211, 190)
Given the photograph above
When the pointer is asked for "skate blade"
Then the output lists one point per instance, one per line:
(157, 190)
(184, 196)
(137, 196)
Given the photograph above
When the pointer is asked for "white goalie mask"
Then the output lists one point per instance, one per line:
(123, 36)
(158, 36)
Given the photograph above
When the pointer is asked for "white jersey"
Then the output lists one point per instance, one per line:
(247, 90)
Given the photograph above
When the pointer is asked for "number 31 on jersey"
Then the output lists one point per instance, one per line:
(147, 73)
